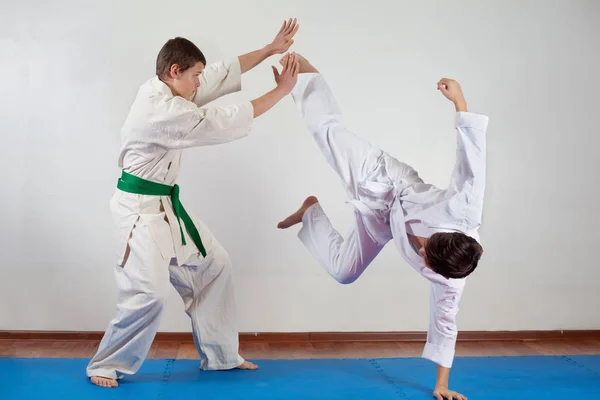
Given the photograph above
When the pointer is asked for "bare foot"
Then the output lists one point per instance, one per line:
(247, 365)
(305, 66)
(296, 217)
(104, 382)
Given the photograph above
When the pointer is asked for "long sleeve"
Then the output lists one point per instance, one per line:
(467, 182)
(442, 331)
(459, 207)
(219, 79)
(186, 125)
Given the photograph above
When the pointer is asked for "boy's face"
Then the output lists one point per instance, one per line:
(187, 82)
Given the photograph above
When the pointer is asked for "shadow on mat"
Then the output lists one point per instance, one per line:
(144, 378)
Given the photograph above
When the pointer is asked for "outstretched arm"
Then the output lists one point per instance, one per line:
(225, 77)
(182, 125)
(442, 334)
(469, 174)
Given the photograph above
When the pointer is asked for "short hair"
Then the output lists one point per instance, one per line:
(178, 51)
(452, 254)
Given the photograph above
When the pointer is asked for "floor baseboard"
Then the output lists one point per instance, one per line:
(320, 337)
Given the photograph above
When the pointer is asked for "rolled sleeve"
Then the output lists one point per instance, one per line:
(471, 120)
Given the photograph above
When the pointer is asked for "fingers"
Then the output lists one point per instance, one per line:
(449, 82)
(439, 397)
(291, 66)
(443, 88)
(283, 59)
(291, 27)
(288, 63)
(294, 30)
(291, 62)
(284, 39)
(458, 396)
(275, 72)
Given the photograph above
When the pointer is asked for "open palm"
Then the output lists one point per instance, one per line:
(284, 38)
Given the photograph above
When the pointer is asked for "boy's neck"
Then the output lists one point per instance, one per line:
(417, 241)
(170, 86)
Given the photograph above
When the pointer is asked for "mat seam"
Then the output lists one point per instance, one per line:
(571, 361)
(387, 378)
(165, 378)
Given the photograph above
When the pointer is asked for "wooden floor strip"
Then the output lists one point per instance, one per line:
(305, 350)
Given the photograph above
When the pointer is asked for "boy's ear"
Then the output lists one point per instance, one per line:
(174, 70)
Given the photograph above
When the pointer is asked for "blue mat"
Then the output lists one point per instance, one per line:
(490, 378)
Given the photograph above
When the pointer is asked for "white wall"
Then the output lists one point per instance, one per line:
(70, 71)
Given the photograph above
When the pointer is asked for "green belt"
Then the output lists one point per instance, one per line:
(132, 184)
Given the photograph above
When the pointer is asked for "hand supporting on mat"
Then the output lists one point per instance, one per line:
(441, 393)
(441, 390)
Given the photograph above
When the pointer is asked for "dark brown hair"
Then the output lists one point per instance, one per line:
(178, 51)
(452, 254)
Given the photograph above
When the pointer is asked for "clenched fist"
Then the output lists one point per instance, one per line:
(451, 89)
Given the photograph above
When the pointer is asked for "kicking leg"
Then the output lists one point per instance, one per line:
(351, 157)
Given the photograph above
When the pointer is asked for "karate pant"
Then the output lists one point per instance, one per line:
(371, 178)
(205, 285)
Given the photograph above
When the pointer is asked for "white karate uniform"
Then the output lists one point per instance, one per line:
(150, 252)
(391, 201)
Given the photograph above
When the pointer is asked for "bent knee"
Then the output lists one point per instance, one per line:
(153, 293)
(156, 297)
(345, 269)
(345, 277)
